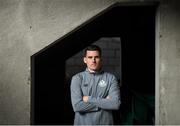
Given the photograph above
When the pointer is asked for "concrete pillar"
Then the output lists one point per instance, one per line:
(169, 62)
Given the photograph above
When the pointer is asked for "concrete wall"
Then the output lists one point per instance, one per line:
(169, 62)
(27, 26)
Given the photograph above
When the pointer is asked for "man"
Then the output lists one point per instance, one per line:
(94, 93)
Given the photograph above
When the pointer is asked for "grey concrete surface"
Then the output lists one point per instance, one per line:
(27, 26)
(169, 62)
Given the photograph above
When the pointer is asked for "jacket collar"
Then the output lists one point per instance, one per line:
(95, 72)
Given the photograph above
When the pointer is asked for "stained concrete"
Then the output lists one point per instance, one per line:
(27, 26)
(169, 62)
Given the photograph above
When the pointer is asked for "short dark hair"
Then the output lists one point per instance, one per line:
(92, 48)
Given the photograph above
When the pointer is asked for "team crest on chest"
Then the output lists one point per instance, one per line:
(102, 83)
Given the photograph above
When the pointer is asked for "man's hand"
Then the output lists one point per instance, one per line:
(85, 98)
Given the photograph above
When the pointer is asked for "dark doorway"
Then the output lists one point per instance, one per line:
(135, 25)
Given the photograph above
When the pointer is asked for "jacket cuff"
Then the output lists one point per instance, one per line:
(91, 99)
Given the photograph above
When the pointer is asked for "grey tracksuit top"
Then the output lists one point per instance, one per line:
(97, 86)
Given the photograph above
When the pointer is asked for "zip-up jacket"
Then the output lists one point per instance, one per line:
(103, 94)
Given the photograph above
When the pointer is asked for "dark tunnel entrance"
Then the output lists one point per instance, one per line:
(135, 25)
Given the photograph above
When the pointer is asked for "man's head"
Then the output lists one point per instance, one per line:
(92, 58)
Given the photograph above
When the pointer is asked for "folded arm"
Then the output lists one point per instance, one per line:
(77, 97)
(112, 101)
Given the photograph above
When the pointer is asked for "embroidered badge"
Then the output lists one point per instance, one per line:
(102, 83)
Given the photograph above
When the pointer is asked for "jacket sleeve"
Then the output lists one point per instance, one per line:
(76, 97)
(113, 102)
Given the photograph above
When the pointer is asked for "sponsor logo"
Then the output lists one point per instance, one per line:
(102, 83)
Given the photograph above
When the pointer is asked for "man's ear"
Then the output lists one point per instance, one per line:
(85, 60)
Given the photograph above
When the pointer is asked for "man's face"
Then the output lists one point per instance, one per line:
(93, 60)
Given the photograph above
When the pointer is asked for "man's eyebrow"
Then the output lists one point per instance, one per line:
(92, 56)
(89, 56)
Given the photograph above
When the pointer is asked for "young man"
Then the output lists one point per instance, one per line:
(94, 93)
